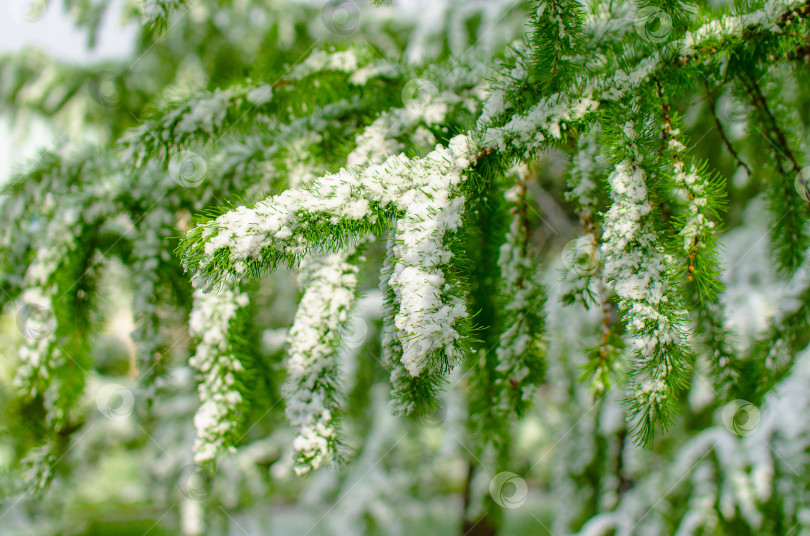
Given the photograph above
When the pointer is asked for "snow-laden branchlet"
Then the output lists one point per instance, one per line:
(696, 249)
(700, 199)
(638, 270)
(427, 316)
(216, 113)
(39, 346)
(150, 259)
(212, 324)
(311, 390)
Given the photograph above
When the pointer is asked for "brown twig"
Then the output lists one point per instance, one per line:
(758, 100)
(722, 132)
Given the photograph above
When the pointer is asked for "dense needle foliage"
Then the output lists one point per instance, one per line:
(526, 241)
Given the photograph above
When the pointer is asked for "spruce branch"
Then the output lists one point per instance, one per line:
(581, 256)
(584, 276)
(530, 130)
(773, 355)
(46, 282)
(776, 135)
(149, 263)
(582, 73)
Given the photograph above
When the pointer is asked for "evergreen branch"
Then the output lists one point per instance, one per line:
(328, 213)
(351, 151)
(772, 356)
(696, 246)
(604, 366)
(46, 280)
(759, 102)
(210, 115)
(408, 393)
(605, 26)
(311, 389)
(790, 237)
(528, 132)
(705, 198)
(543, 125)
(583, 279)
(374, 143)
(72, 96)
(520, 354)
(638, 270)
(213, 324)
(582, 260)
(557, 38)
(711, 332)
(337, 207)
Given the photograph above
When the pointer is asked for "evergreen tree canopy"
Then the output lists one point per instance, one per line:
(543, 264)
